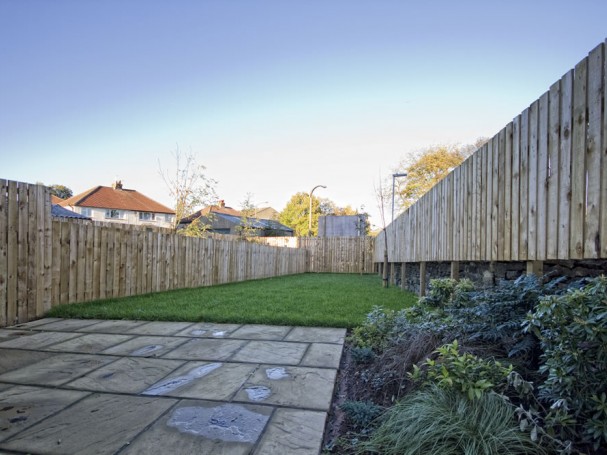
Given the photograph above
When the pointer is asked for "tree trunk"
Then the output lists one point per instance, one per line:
(385, 271)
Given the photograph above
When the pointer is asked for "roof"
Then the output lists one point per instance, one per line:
(215, 209)
(256, 223)
(266, 213)
(119, 199)
(61, 212)
(56, 199)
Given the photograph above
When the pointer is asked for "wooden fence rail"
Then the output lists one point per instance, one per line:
(536, 191)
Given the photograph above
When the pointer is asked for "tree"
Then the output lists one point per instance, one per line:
(428, 167)
(247, 209)
(189, 187)
(61, 191)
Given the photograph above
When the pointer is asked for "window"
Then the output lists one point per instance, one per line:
(114, 214)
(85, 211)
(147, 216)
(168, 218)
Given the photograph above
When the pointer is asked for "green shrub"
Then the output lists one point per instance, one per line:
(440, 292)
(464, 373)
(443, 421)
(572, 329)
(361, 414)
(375, 331)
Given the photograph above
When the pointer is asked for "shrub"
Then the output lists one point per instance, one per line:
(440, 421)
(361, 414)
(375, 331)
(465, 373)
(572, 329)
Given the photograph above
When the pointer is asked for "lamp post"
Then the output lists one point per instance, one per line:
(394, 176)
(310, 213)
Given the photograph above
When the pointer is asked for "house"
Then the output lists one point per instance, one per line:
(120, 205)
(222, 219)
(267, 213)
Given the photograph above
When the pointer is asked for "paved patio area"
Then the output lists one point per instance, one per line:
(71, 386)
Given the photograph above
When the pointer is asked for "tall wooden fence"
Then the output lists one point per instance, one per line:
(332, 254)
(46, 261)
(536, 191)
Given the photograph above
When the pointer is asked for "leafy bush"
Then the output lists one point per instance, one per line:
(465, 373)
(361, 414)
(443, 421)
(440, 292)
(572, 329)
(375, 331)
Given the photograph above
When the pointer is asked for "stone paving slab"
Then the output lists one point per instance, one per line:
(23, 406)
(299, 387)
(89, 343)
(126, 375)
(208, 330)
(146, 346)
(100, 424)
(271, 352)
(129, 387)
(56, 370)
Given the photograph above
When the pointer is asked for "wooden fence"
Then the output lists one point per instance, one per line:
(46, 261)
(331, 254)
(536, 191)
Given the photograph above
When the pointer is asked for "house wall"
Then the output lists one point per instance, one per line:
(130, 217)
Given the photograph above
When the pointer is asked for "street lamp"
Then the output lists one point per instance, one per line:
(394, 176)
(310, 213)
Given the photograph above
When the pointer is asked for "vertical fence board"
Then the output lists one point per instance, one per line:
(592, 241)
(542, 178)
(3, 251)
(515, 202)
(508, 189)
(552, 180)
(564, 169)
(578, 152)
(501, 196)
(532, 178)
(524, 187)
(603, 227)
(28, 238)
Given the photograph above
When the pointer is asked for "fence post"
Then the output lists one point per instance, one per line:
(403, 276)
(535, 268)
(422, 279)
(455, 270)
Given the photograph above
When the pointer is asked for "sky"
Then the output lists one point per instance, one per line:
(273, 97)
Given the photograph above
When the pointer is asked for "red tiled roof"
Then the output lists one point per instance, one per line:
(55, 199)
(120, 199)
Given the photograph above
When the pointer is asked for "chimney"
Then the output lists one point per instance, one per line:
(222, 203)
(117, 185)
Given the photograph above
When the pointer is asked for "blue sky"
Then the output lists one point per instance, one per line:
(273, 97)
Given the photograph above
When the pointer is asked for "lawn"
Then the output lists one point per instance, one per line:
(331, 300)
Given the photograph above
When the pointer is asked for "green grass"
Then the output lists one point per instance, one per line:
(330, 300)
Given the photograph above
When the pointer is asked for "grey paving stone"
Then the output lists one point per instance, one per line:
(113, 327)
(210, 381)
(293, 431)
(12, 359)
(199, 427)
(206, 349)
(56, 370)
(23, 406)
(261, 332)
(37, 323)
(297, 387)
(38, 340)
(323, 355)
(208, 330)
(146, 346)
(92, 343)
(126, 375)
(69, 325)
(9, 334)
(160, 328)
(99, 424)
(278, 352)
(317, 335)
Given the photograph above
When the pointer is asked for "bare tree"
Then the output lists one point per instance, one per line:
(189, 186)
